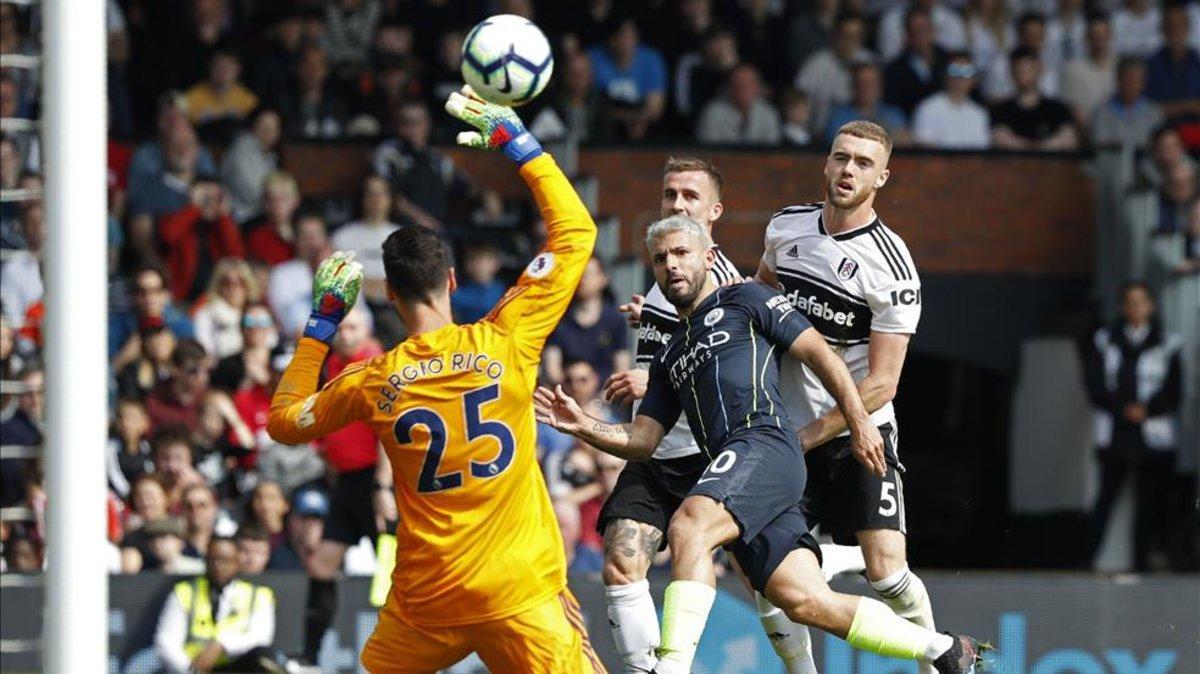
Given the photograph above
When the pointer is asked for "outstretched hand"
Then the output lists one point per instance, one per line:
(634, 310)
(497, 126)
(557, 409)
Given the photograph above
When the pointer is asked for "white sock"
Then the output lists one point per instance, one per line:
(790, 640)
(839, 559)
(904, 592)
(634, 625)
(686, 604)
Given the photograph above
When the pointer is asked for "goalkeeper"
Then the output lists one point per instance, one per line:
(480, 562)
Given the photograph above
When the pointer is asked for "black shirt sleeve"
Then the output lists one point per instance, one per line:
(773, 315)
(661, 402)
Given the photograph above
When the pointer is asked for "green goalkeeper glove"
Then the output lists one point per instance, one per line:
(498, 126)
(335, 289)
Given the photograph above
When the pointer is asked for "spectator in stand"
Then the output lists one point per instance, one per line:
(913, 75)
(251, 364)
(219, 318)
(810, 29)
(945, 24)
(305, 524)
(866, 103)
(989, 31)
(796, 118)
(188, 38)
(1173, 72)
(164, 539)
(949, 119)
(1091, 78)
(217, 622)
(197, 238)
(314, 107)
(1029, 120)
(742, 115)
(21, 555)
(825, 76)
(11, 167)
(592, 330)
(174, 463)
(425, 182)
(128, 449)
(364, 237)
(219, 102)
(271, 236)
(444, 76)
(574, 108)
(149, 504)
(757, 23)
(392, 81)
(150, 158)
(270, 71)
(289, 290)
(1166, 150)
(1136, 26)
(12, 233)
(268, 510)
(167, 190)
(686, 27)
(352, 26)
(201, 516)
(479, 289)
(252, 157)
(700, 74)
(1128, 119)
(177, 400)
(152, 365)
(23, 428)
(1178, 193)
(632, 78)
(1135, 382)
(1066, 33)
(1031, 34)
(21, 275)
(150, 299)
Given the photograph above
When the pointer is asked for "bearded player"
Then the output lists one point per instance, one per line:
(853, 278)
(481, 566)
(647, 494)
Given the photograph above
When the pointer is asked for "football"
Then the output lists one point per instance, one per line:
(507, 60)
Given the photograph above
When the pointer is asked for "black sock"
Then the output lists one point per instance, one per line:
(318, 615)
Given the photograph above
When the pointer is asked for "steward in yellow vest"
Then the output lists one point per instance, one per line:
(217, 622)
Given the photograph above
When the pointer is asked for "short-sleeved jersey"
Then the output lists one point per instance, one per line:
(848, 285)
(659, 321)
(721, 367)
(477, 538)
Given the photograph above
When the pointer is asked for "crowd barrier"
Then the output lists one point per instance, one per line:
(1040, 624)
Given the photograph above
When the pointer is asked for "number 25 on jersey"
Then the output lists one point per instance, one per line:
(430, 480)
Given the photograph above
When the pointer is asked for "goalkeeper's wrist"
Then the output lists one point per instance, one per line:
(522, 148)
(320, 327)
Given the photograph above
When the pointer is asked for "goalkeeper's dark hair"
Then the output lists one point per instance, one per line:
(417, 262)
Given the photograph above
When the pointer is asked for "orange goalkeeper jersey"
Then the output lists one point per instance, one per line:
(477, 539)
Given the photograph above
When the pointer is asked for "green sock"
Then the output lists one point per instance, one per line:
(877, 629)
(686, 604)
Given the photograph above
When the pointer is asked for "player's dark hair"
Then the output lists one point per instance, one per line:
(187, 351)
(169, 436)
(683, 164)
(417, 263)
(150, 268)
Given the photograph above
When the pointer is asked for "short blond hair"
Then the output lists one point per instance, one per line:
(861, 128)
(684, 164)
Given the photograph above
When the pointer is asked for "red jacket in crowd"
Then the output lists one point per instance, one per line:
(355, 446)
(179, 236)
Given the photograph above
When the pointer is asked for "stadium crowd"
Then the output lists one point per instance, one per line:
(212, 245)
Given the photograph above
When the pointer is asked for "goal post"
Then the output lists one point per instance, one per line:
(74, 133)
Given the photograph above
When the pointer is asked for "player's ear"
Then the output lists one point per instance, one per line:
(453, 281)
(883, 178)
(716, 211)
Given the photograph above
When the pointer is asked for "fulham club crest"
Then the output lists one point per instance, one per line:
(846, 269)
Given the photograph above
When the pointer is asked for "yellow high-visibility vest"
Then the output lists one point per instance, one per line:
(203, 626)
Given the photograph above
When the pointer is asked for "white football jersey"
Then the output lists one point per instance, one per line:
(847, 285)
(659, 320)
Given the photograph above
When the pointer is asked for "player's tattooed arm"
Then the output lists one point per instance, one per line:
(635, 441)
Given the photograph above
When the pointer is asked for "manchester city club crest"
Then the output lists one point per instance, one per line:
(711, 318)
(846, 269)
